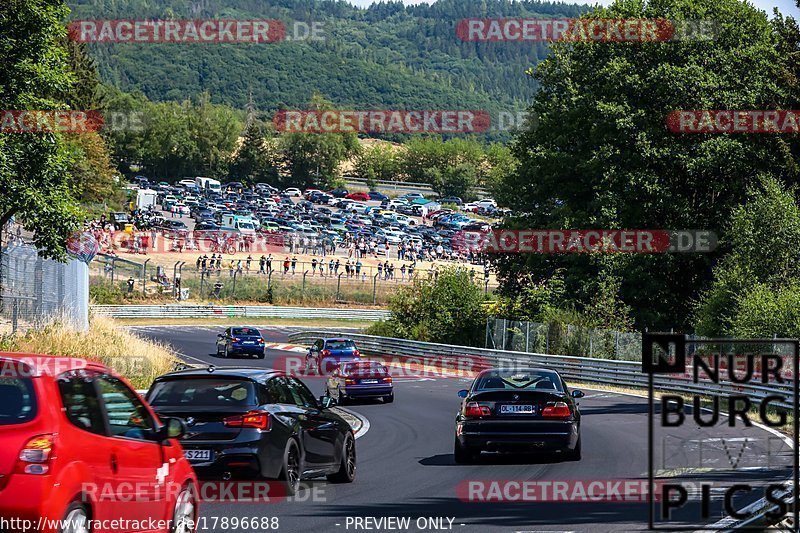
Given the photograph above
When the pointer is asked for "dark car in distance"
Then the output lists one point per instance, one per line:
(240, 341)
(325, 354)
(519, 410)
(360, 380)
(255, 422)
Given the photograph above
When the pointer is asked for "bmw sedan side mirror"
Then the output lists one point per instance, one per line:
(327, 402)
(463, 393)
(578, 394)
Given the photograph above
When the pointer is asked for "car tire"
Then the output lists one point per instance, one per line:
(347, 466)
(462, 455)
(262, 355)
(388, 399)
(219, 354)
(184, 514)
(226, 354)
(76, 519)
(291, 470)
(575, 455)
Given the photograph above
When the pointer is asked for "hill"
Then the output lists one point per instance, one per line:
(386, 56)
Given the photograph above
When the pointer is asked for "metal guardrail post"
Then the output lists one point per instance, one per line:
(113, 268)
(14, 315)
(338, 286)
(233, 289)
(375, 289)
(303, 287)
(144, 277)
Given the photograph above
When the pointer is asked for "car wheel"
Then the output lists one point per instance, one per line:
(76, 519)
(226, 353)
(388, 399)
(262, 355)
(290, 474)
(347, 467)
(218, 352)
(462, 455)
(184, 515)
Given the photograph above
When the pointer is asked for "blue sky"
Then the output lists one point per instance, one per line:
(787, 7)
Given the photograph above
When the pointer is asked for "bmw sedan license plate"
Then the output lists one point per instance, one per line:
(516, 409)
(198, 455)
(248, 342)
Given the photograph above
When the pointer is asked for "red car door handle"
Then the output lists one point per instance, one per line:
(114, 466)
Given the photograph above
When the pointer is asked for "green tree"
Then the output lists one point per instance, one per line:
(34, 167)
(447, 309)
(601, 156)
(763, 242)
(314, 158)
(379, 162)
(255, 161)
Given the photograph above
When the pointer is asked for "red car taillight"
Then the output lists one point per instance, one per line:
(556, 410)
(235, 340)
(349, 381)
(356, 353)
(387, 379)
(252, 419)
(326, 352)
(35, 456)
(474, 410)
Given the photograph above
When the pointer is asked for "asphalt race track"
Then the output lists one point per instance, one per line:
(406, 468)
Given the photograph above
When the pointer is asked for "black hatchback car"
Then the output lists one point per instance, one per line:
(520, 410)
(249, 422)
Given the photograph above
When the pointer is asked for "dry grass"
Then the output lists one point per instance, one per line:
(134, 357)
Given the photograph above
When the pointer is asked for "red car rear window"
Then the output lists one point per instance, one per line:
(17, 400)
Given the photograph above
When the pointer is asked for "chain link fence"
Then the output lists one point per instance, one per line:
(562, 339)
(282, 282)
(35, 291)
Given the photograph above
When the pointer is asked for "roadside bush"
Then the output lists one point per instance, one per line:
(448, 309)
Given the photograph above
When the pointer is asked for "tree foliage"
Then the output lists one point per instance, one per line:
(599, 154)
(36, 185)
(763, 242)
(447, 309)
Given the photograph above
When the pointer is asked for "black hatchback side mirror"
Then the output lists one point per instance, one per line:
(578, 393)
(173, 428)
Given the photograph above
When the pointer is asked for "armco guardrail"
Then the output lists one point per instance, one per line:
(235, 311)
(585, 369)
(589, 370)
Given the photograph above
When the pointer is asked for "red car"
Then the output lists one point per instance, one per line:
(79, 445)
(359, 196)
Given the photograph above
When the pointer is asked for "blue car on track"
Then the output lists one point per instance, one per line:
(326, 354)
(360, 380)
(240, 341)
